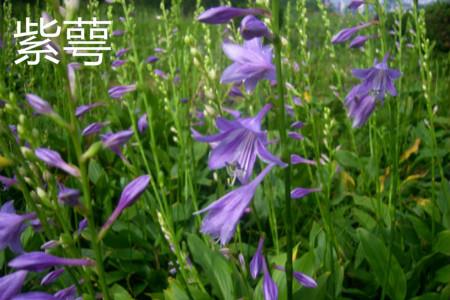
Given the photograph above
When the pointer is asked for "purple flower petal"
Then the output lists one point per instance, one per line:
(39, 106)
(297, 159)
(93, 128)
(39, 261)
(52, 276)
(81, 110)
(256, 264)
(252, 27)
(11, 284)
(223, 14)
(117, 92)
(302, 192)
(54, 159)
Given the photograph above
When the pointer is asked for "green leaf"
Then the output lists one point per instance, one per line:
(119, 293)
(443, 274)
(377, 256)
(348, 159)
(443, 242)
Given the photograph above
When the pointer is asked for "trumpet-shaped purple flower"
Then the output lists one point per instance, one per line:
(82, 225)
(68, 293)
(35, 296)
(152, 59)
(377, 80)
(52, 276)
(302, 278)
(118, 63)
(142, 123)
(252, 27)
(224, 214)
(238, 143)
(297, 159)
(302, 192)
(354, 4)
(39, 105)
(54, 159)
(11, 284)
(257, 262)
(11, 227)
(39, 261)
(68, 196)
(129, 196)
(252, 62)
(93, 128)
(270, 288)
(360, 109)
(359, 41)
(117, 92)
(7, 182)
(114, 141)
(81, 110)
(122, 52)
(346, 33)
(223, 14)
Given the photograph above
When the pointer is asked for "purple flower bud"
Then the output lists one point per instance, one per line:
(81, 110)
(257, 262)
(152, 59)
(297, 100)
(252, 27)
(68, 196)
(71, 75)
(118, 63)
(11, 284)
(52, 276)
(346, 33)
(270, 288)
(39, 106)
(129, 196)
(54, 159)
(160, 73)
(354, 4)
(93, 128)
(7, 182)
(359, 41)
(68, 293)
(302, 278)
(118, 33)
(302, 192)
(223, 14)
(121, 52)
(297, 159)
(297, 125)
(35, 296)
(111, 140)
(39, 261)
(142, 123)
(159, 50)
(82, 225)
(184, 100)
(235, 92)
(295, 135)
(49, 245)
(116, 92)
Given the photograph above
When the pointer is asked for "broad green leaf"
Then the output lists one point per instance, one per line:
(119, 293)
(443, 242)
(443, 274)
(377, 256)
(348, 159)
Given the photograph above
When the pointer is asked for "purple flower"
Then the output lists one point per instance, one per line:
(93, 128)
(68, 293)
(297, 125)
(121, 52)
(82, 225)
(7, 182)
(152, 59)
(39, 261)
(49, 245)
(238, 143)
(359, 41)
(159, 50)
(224, 214)
(270, 288)
(35, 296)
(129, 196)
(11, 227)
(81, 110)
(68, 196)
(118, 63)
(52, 276)
(252, 62)
(377, 80)
(54, 159)
(257, 262)
(360, 109)
(252, 27)
(346, 33)
(354, 4)
(302, 192)
(11, 284)
(117, 92)
(114, 140)
(223, 14)
(39, 106)
(142, 123)
(235, 92)
(71, 68)
(160, 73)
(297, 159)
(302, 278)
(295, 135)
(118, 32)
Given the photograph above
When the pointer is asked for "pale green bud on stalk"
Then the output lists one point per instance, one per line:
(46, 175)
(196, 62)
(27, 153)
(92, 151)
(212, 74)
(41, 193)
(22, 118)
(20, 130)
(28, 180)
(9, 108)
(35, 133)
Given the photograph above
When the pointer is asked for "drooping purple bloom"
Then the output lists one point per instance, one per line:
(346, 33)
(117, 32)
(223, 14)
(35, 296)
(359, 109)
(52, 276)
(377, 80)
(270, 288)
(81, 110)
(11, 227)
(224, 214)
(7, 182)
(118, 63)
(39, 105)
(129, 196)
(238, 143)
(115, 140)
(160, 73)
(297, 125)
(257, 262)
(302, 192)
(71, 68)
(297, 159)
(152, 59)
(295, 135)
(54, 159)
(68, 293)
(142, 123)
(302, 278)
(11, 284)
(39, 261)
(359, 41)
(68, 196)
(252, 27)
(355, 4)
(82, 225)
(93, 128)
(121, 52)
(117, 92)
(252, 62)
